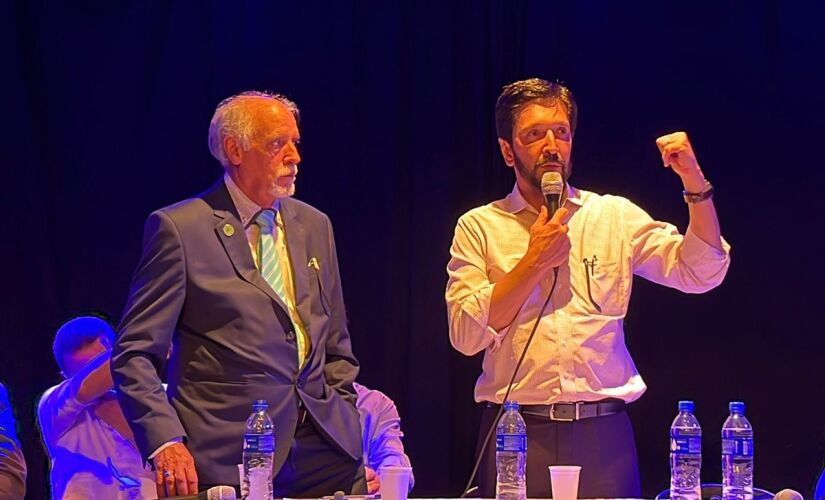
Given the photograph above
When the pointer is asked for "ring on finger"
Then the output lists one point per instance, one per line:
(167, 473)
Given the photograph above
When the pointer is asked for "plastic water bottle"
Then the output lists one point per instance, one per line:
(737, 455)
(685, 454)
(511, 455)
(258, 453)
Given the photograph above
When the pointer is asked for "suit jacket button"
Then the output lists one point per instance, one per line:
(300, 384)
(290, 335)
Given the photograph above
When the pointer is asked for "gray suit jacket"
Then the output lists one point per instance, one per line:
(196, 287)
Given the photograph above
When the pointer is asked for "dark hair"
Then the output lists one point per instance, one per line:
(516, 95)
(78, 332)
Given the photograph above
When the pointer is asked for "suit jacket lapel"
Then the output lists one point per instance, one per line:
(297, 246)
(230, 232)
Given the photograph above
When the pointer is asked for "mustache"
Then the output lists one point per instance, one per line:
(287, 170)
(551, 158)
(544, 161)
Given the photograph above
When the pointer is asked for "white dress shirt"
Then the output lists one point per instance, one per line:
(90, 459)
(579, 351)
(381, 431)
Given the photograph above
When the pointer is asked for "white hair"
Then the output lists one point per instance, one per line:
(232, 117)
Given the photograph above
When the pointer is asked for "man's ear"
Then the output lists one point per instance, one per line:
(507, 152)
(233, 150)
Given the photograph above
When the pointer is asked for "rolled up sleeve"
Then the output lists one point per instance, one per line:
(58, 410)
(662, 255)
(469, 293)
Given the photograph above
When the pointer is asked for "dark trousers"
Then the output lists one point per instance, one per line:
(604, 447)
(315, 468)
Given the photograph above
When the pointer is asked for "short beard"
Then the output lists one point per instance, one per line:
(284, 191)
(531, 174)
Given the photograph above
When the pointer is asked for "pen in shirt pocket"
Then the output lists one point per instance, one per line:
(589, 267)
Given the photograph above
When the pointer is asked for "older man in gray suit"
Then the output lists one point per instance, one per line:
(243, 281)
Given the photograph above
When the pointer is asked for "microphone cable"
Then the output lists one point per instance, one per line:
(510, 386)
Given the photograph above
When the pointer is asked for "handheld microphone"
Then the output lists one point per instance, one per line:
(788, 494)
(213, 493)
(552, 186)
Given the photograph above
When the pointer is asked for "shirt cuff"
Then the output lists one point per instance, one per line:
(695, 250)
(497, 337)
(165, 445)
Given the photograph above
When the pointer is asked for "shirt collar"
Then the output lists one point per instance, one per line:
(516, 202)
(247, 208)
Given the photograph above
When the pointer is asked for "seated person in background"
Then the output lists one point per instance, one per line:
(12, 464)
(381, 428)
(91, 447)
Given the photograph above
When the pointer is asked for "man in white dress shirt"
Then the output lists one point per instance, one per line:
(577, 375)
(381, 430)
(92, 449)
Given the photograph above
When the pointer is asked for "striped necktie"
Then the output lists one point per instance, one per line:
(270, 267)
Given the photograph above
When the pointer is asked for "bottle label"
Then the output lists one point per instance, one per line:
(686, 444)
(738, 447)
(511, 442)
(258, 444)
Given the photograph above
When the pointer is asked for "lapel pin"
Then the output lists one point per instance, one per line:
(313, 262)
(228, 229)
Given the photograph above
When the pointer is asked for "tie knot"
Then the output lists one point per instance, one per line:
(266, 220)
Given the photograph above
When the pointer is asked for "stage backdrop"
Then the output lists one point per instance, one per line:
(105, 112)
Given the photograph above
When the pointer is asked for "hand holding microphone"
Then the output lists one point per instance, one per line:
(549, 245)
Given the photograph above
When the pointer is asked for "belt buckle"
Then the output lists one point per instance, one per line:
(554, 418)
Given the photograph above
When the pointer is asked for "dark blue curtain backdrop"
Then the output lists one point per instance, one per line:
(105, 112)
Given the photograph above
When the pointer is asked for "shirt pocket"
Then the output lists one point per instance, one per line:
(320, 303)
(605, 286)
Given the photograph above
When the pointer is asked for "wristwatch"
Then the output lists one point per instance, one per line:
(706, 194)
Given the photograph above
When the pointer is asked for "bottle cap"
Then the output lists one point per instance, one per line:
(510, 405)
(260, 404)
(736, 407)
(686, 406)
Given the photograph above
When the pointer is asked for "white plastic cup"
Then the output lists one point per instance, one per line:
(564, 481)
(395, 482)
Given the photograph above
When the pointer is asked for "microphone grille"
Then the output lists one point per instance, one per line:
(788, 494)
(221, 493)
(551, 183)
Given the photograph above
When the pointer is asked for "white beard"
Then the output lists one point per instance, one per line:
(279, 191)
(283, 192)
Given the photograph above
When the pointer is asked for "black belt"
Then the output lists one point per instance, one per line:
(570, 412)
